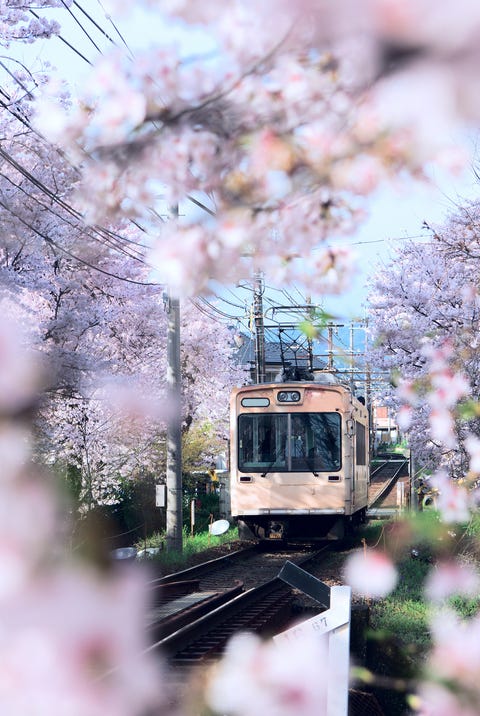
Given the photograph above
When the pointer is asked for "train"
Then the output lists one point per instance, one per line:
(299, 459)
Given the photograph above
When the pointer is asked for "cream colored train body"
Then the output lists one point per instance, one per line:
(299, 459)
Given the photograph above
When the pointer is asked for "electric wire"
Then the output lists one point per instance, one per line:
(25, 121)
(110, 236)
(230, 303)
(67, 252)
(205, 312)
(215, 309)
(16, 79)
(90, 18)
(102, 234)
(109, 18)
(68, 44)
(68, 9)
(81, 230)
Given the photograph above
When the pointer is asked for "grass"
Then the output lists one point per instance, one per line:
(403, 616)
(193, 545)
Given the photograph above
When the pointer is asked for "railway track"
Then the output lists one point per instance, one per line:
(383, 478)
(194, 627)
(235, 592)
(198, 639)
(203, 571)
(262, 609)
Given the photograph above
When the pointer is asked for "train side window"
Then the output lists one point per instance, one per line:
(361, 444)
(327, 441)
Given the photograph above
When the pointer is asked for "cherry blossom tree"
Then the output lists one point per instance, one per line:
(113, 426)
(102, 324)
(425, 311)
(20, 21)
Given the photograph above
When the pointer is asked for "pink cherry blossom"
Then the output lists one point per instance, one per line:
(437, 700)
(452, 499)
(285, 678)
(454, 660)
(448, 388)
(262, 137)
(19, 373)
(404, 417)
(449, 578)
(15, 451)
(472, 444)
(75, 644)
(370, 573)
(427, 291)
(442, 427)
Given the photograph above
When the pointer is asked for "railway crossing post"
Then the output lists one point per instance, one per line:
(334, 623)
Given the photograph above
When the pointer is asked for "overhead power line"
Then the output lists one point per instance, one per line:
(109, 18)
(90, 18)
(68, 44)
(69, 253)
(81, 26)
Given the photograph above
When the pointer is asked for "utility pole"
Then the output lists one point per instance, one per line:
(259, 328)
(368, 392)
(310, 318)
(330, 346)
(174, 541)
(352, 358)
(174, 429)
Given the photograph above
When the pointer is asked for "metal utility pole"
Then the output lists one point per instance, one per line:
(352, 358)
(368, 392)
(174, 429)
(330, 346)
(259, 328)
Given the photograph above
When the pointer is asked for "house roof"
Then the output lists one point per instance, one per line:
(245, 354)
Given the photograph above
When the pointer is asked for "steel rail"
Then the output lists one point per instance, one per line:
(198, 570)
(208, 634)
(389, 482)
(164, 622)
(254, 610)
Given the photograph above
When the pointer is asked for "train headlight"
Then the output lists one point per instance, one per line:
(288, 396)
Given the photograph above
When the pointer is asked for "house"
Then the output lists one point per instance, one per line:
(385, 428)
(278, 356)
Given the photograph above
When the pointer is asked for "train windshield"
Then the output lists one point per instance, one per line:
(289, 442)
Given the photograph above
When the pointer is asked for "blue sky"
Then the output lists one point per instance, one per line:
(394, 217)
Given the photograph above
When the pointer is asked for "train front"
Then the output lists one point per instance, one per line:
(298, 460)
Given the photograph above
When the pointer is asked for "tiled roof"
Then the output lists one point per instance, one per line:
(245, 354)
